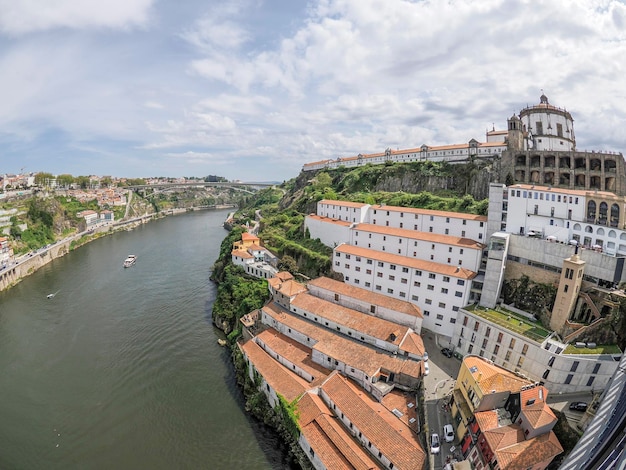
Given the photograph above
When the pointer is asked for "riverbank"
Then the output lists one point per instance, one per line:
(28, 263)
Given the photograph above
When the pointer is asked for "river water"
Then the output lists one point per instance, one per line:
(121, 369)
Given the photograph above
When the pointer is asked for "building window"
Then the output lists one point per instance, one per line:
(439, 317)
(444, 290)
(520, 361)
(460, 282)
(458, 294)
(442, 305)
(569, 378)
(418, 272)
(508, 356)
(417, 283)
(512, 343)
(431, 287)
(446, 278)
(488, 332)
(392, 278)
(596, 368)
(574, 366)
(545, 374)
(496, 348)
(389, 291)
(429, 301)
(499, 340)
(485, 343)
(525, 349)
(392, 267)
(590, 381)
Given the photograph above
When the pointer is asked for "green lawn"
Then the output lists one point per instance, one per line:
(512, 322)
(599, 349)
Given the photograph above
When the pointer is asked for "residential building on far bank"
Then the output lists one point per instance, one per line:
(502, 420)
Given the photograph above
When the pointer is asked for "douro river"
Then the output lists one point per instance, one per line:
(121, 368)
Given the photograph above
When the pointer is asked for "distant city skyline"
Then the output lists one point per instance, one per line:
(253, 89)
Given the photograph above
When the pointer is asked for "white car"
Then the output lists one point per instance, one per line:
(426, 368)
(448, 433)
(425, 356)
(435, 445)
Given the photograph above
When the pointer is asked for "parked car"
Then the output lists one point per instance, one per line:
(426, 368)
(578, 406)
(446, 352)
(425, 356)
(435, 445)
(448, 433)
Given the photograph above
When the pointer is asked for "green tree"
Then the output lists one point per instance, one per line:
(43, 179)
(287, 263)
(65, 180)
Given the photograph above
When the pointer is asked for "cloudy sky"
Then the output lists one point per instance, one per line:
(253, 89)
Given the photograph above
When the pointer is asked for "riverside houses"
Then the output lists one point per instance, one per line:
(351, 371)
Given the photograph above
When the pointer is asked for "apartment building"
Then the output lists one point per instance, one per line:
(503, 421)
(515, 342)
(439, 289)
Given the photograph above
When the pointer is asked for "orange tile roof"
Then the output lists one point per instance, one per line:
(293, 351)
(525, 454)
(290, 288)
(255, 247)
(413, 210)
(274, 282)
(278, 377)
(336, 202)
(504, 436)
(492, 377)
(330, 220)
(538, 413)
(417, 235)
(242, 254)
(392, 437)
(365, 295)
(486, 419)
(247, 236)
(405, 403)
(361, 322)
(423, 265)
(413, 343)
(331, 442)
(283, 275)
(348, 351)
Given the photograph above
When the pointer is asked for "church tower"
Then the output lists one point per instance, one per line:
(516, 134)
(569, 286)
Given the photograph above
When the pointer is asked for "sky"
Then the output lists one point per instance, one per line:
(253, 89)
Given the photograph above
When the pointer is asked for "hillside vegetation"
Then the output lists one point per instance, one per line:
(282, 211)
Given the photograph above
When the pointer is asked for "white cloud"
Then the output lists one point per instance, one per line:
(26, 16)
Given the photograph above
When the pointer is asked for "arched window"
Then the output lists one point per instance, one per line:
(614, 215)
(588, 229)
(604, 209)
(591, 211)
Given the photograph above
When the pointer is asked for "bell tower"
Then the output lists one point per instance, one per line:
(516, 135)
(569, 286)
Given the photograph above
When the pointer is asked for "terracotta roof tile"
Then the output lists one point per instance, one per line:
(413, 343)
(242, 254)
(293, 351)
(283, 275)
(429, 266)
(392, 437)
(486, 419)
(372, 326)
(525, 454)
(278, 377)
(247, 236)
(330, 220)
(336, 202)
(348, 351)
(365, 295)
(290, 288)
(491, 377)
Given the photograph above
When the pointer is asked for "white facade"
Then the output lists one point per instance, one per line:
(348, 211)
(439, 290)
(331, 232)
(448, 153)
(442, 222)
(541, 360)
(443, 249)
(548, 127)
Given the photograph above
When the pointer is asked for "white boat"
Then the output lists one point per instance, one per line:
(130, 260)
